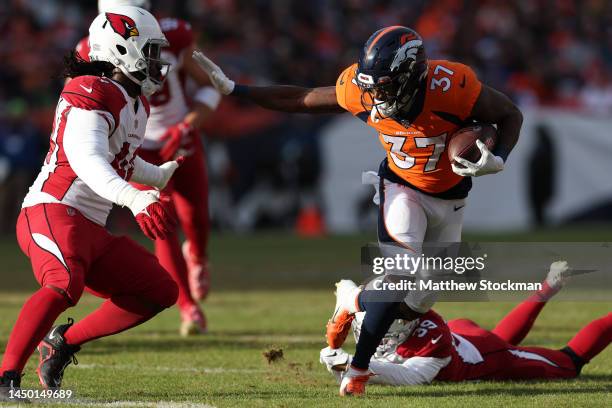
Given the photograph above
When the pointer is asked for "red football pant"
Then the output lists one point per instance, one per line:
(591, 340)
(528, 363)
(503, 361)
(188, 190)
(508, 362)
(69, 254)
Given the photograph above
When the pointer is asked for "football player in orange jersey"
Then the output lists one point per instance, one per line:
(414, 104)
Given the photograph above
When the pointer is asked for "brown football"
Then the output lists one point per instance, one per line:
(463, 142)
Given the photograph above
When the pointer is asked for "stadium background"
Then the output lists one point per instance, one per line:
(289, 211)
(294, 172)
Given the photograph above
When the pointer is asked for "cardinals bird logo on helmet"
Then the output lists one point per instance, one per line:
(122, 25)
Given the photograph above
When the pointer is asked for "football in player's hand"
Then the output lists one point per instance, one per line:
(463, 142)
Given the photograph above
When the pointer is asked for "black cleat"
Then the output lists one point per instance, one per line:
(10, 381)
(55, 355)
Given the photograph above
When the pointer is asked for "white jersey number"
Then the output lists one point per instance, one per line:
(424, 327)
(444, 82)
(404, 161)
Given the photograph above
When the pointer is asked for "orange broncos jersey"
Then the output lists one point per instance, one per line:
(417, 152)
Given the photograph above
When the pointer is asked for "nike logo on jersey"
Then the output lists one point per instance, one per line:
(458, 207)
(88, 90)
(437, 339)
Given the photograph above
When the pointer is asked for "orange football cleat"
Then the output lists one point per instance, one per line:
(338, 328)
(346, 306)
(354, 382)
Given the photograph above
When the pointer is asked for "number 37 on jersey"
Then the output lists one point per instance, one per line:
(415, 151)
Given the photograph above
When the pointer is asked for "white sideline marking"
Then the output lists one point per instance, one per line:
(120, 404)
(205, 370)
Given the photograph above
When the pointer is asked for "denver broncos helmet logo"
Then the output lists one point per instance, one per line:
(122, 25)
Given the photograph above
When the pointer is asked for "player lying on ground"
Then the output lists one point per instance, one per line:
(99, 124)
(414, 104)
(172, 131)
(429, 349)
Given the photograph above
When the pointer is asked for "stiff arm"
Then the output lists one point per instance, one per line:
(285, 98)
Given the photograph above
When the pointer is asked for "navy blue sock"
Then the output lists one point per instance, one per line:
(380, 314)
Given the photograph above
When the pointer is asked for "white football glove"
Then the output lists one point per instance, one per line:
(333, 357)
(488, 163)
(221, 82)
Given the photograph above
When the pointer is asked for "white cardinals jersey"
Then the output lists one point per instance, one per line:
(91, 110)
(168, 105)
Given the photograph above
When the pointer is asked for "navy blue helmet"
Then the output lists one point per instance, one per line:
(391, 67)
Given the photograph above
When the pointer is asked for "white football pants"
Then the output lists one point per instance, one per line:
(408, 218)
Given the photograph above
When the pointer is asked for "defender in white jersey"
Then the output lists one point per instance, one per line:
(99, 125)
(177, 111)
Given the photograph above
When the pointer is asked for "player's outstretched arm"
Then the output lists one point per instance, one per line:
(206, 98)
(284, 98)
(493, 106)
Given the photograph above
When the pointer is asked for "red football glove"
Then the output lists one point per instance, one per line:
(179, 136)
(157, 219)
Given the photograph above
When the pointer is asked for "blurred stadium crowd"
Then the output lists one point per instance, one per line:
(541, 52)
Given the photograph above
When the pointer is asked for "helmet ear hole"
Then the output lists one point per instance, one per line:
(121, 49)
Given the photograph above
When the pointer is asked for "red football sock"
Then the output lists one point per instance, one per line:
(170, 257)
(545, 294)
(515, 326)
(34, 322)
(115, 315)
(191, 202)
(592, 338)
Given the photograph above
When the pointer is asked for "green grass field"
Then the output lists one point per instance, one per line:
(275, 291)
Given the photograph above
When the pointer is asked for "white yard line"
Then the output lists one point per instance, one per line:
(122, 404)
(204, 370)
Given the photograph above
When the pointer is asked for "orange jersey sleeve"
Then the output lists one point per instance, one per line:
(347, 91)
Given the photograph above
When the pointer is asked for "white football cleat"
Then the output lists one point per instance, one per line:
(193, 322)
(346, 306)
(558, 275)
(354, 382)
